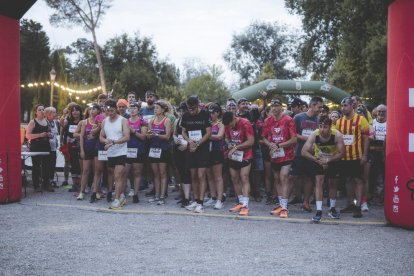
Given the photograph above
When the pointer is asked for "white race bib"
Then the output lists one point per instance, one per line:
(132, 153)
(102, 155)
(307, 132)
(195, 135)
(237, 156)
(155, 152)
(72, 128)
(279, 152)
(348, 140)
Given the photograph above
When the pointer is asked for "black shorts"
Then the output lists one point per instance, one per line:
(139, 159)
(238, 165)
(313, 169)
(90, 155)
(300, 166)
(117, 160)
(351, 168)
(216, 157)
(278, 166)
(164, 158)
(198, 159)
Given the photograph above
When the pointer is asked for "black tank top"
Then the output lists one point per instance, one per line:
(40, 144)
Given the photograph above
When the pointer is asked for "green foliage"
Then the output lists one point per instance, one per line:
(34, 64)
(345, 43)
(207, 86)
(260, 44)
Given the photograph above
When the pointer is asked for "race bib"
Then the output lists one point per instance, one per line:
(195, 135)
(307, 132)
(72, 128)
(132, 153)
(102, 155)
(155, 152)
(348, 140)
(237, 156)
(279, 152)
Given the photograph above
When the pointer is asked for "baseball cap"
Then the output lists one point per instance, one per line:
(296, 102)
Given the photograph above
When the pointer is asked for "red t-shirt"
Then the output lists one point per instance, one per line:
(280, 131)
(239, 134)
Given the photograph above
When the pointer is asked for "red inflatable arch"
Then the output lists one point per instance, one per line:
(399, 175)
(10, 166)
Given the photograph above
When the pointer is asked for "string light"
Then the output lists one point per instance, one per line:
(62, 87)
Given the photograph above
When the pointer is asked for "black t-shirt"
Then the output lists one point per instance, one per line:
(200, 121)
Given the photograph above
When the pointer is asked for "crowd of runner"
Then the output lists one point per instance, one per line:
(296, 153)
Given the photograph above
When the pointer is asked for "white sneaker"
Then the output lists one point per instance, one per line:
(192, 206)
(210, 202)
(218, 205)
(364, 207)
(131, 193)
(154, 200)
(122, 200)
(116, 204)
(199, 209)
(81, 196)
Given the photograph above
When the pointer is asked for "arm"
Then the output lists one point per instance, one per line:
(219, 136)
(168, 132)
(76, 135)
(30, 135)
(125, 133)
(102, 135)
(246, 144)
(307, 148)
(81, 139)
(339, 141)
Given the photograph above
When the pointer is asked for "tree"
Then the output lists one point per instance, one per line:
(208, 86)
(262, 43)
(34, 64)
(345, 43)
(80, 12)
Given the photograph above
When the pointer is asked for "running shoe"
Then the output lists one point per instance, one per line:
(357, 212)
(185, 202)
(244, 211)
(306, 207)
(284, 213)
(81, 196)
(122, 200)
(161, 201)
(100, 195)
(210, 202)
(218, 205)
(131, 193)
(154, 200)
(116, 204)
(135, 199)
(93, 198)
(199, 209)
(236, 208)
(317, 217)
(348, 209)
(277, 210)
(191, 206)
(109, 196)
(333, 213)
(364, 207)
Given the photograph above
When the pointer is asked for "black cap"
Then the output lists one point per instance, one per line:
(296, 102)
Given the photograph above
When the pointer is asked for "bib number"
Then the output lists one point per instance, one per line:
(237, 156)
(348, 140)
(155, 152)
(102, 155)
(195, 135)
(132, 153)
(307, 132)
(279, 152)
(72, 128)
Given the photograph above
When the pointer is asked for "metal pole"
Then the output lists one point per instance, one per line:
(51, 93)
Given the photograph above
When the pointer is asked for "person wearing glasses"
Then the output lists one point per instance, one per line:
(196, 130)
(115, 135)
(324, 148)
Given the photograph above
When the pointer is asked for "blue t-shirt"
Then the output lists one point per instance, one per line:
(305, 125)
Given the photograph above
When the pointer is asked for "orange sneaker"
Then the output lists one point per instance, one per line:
(236, 208)
(284, 213)
(277, 210)
(244, 211)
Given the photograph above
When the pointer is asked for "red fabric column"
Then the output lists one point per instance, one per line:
(10, 164)
(399, 190)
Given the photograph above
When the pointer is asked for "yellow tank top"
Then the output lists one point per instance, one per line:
(325, 149)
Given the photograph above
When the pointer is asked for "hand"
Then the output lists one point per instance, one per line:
(193, 146)
(182, 147)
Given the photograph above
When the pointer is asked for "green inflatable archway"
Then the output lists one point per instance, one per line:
(291, 87)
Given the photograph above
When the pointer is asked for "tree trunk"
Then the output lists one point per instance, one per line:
(99, 60)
